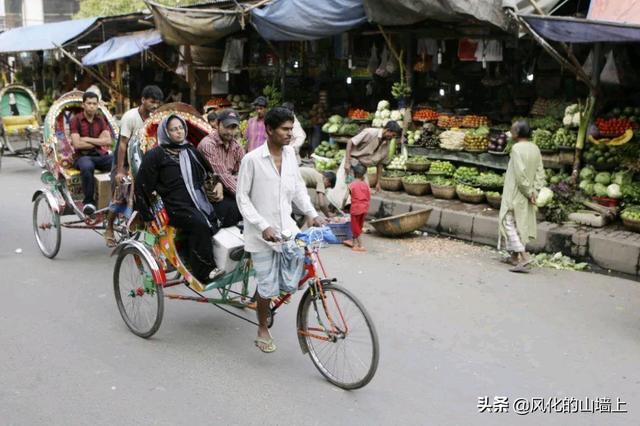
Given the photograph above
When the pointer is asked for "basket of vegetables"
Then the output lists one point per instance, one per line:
(416, 185)
(494, 199)
(469, 194)
(392, 180)
(545, 141)
(443, 168)
(476, 141)
(443, 188)
(631, 218)
(418, 163)
(489, 181)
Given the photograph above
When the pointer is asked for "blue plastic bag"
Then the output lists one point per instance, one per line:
(317, 234)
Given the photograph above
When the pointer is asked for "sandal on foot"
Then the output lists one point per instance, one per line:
(522, 268)
(359, 249)
(265, 345)
(110, 239)
(348, 243)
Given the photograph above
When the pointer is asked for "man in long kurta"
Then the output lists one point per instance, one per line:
(524, 178)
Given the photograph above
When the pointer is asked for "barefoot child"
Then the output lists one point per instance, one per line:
(360, 198)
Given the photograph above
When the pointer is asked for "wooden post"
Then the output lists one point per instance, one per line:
(191, 78)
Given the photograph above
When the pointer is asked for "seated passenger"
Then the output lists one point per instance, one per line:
(91, 139)
(177, 172)
(224, 154)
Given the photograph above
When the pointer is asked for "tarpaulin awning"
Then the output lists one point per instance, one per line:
(624, 12)
(291, 20)
(44, 37)
(122, 47)
(196, 27)
(574, 30)
(408, 12)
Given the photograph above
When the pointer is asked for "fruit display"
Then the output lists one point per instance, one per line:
(631, 193)
(430, 137)
(477, 140)
(468, 190)
(326, 165)
(239, 102)
(449, 121)
(613, 127)
(415, 179)
(442, 168)
(544, 139)
(489, 180)
(217, 102)
(337, 125)
(617, 141)
(493, 194)
(498, 143)
(474, 121)
(467, 175)
(242, 130)
(602, 156)
(565, 138)
(425, 114)
(318, 114)
(631, 213)
(413, 136)
(452, 140)
(545, 123)
(399, 162)
(358, 114)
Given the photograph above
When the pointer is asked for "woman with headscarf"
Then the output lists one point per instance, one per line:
(176, 171)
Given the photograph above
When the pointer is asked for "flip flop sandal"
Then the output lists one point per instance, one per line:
(110, 240)
(359, 249)
(521, 268)
(268, 345)
(348, 243)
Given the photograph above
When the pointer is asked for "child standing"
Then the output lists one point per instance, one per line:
(360, 199)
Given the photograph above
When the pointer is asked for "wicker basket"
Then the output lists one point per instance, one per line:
(418, 167)
(396, 226)
(494, 201)
(391, 183)
(416, 188)
(443, 192)
(631, 225)
(471, 198)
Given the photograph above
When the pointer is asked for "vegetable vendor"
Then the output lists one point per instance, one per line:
(256, 134)
(370, 148)
(523, 181)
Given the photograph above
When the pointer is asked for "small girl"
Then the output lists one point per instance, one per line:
(360, 199)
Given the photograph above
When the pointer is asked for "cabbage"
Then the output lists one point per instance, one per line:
(622, 178)
(613, 191)
(587, 173)
(335, 119)
(382, 105)
(603, 178)
(385, 114)
(396, 115)
(589, 189)
(334, 128)
(326, 126)
(600, 190)
(584, 184)
(544, 197)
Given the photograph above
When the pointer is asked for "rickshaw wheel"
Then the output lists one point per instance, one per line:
(139, 298)
(46, 227)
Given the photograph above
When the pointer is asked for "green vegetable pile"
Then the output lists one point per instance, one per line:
(558, 261)
(544, 139)
(490, 180)
(631, 213)
(631, 193)
(442, 181)
(442, 167)
(394, 173)
(565, 138)
(467, 175)
(544, 123)
(602, 156)
(418, 159)
(468, 190)
(493, 194)
(415, 179)
(326, 150)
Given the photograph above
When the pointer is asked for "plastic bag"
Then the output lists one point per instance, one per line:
(373, 60)
(609, 74)
(317, 234)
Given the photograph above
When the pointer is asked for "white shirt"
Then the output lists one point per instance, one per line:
(298, 136)
(131, 123)
(264, 196)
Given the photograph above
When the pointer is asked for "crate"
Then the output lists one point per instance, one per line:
(342, 231)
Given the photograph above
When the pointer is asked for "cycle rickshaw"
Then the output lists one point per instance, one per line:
(20, 123)
(59, 204)
(332, 326)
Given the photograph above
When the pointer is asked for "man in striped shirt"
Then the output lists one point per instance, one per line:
(224, 153)
(256, 133)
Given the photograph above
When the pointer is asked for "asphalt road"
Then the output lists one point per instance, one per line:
(454, 326)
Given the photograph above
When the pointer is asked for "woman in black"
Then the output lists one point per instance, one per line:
(177, 171)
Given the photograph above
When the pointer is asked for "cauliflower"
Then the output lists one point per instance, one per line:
(396, 115)
(377, 122)
(575, 120)
(385, 114)
(384, 122)
(382, 105)
(613, 191)
(571, 109)
(566, 121)
(378, 114)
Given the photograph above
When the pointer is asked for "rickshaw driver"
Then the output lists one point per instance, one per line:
(91, 137)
